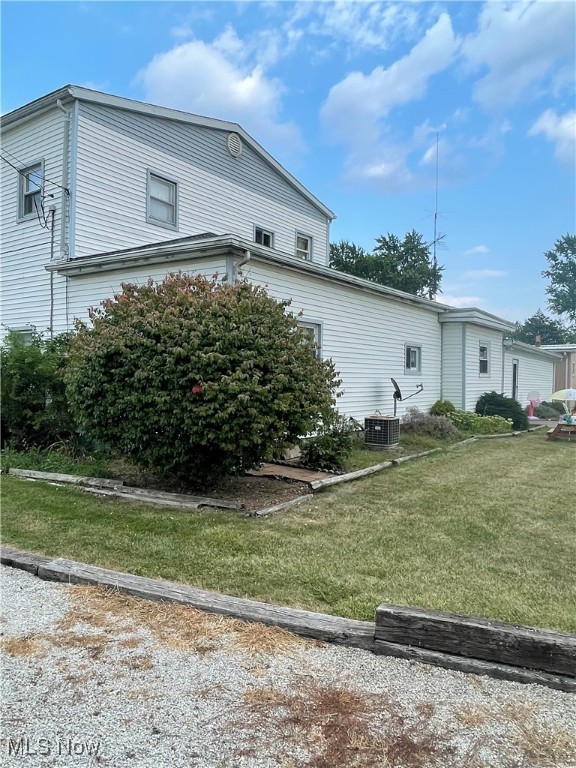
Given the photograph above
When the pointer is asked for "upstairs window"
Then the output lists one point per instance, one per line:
(484, 359)
(412, 358)
(30, 190)
(303, 246)
(263, 237)
(162, 201)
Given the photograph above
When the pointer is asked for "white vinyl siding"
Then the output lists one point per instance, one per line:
(477, 383)
(535, 374)
(216, 192)
(25, 290)
(452, 363)
(364, 334)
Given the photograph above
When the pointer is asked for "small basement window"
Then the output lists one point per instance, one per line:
(484, 359)
(162, 201)
(264, 237)
(30, 190)
(314, 333)
(303, 246)
(412, 358)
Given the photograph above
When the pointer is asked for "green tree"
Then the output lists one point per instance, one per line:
(561, 273)
(193, 378)
(406, 265)
(550, 331)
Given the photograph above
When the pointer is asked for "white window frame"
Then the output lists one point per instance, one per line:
(417, 348)
(484, 345)
(301, 253)
(22, 194)
(316, 327)
(264, 233)
(149, 217)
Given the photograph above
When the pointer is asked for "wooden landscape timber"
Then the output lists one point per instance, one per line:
(280, 507)
(333, 629)
(477, 638)
(55, 477)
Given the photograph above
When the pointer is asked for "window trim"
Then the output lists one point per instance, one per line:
(408, 370)
(485, 344)
(151, 219)
(269, 232)
(310, 246)
(22, 194)
(317, 327)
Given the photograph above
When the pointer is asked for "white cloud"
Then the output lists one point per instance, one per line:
(477, 249)
(460, 301)
(526, 47)
(356, 108)
(221, 79)
(561, 129)
(480, 274)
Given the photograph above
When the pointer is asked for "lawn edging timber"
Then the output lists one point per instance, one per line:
(545, 649)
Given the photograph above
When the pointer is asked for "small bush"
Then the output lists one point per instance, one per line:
(494, 404)
(330, 448)
(549, 410)
(480, 425)
(192, 378)
(35, 409)
(442, 408)
(419, 423)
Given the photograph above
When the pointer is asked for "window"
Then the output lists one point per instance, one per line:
(162, 201)
(412, 358)
(30, 190)
(303, 246)
(314, 333)
(484, 359)
(263, 237)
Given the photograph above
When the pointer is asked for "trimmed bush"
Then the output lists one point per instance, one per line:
(494, 404)
(193, 378)
(442, 408)
(549, 410)
(417, 422)
(331, 446)
(480, 425)
(35, 410)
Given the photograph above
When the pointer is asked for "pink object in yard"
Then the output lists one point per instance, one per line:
(533, 399)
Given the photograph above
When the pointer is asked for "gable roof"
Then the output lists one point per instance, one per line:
(70, 93)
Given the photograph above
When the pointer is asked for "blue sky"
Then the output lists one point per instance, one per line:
(350, 97)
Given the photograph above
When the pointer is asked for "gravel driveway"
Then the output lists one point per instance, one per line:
(94, 678)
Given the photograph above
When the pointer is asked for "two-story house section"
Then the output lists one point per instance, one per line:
(85, 172)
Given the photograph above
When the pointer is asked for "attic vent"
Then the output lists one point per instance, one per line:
(234, 143)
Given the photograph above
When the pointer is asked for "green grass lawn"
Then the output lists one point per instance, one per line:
(488, 528)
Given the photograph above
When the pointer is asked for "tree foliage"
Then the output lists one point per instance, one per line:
(561, 273)
(34, 406)
(550, 331)
(406, 265)
(192, 378)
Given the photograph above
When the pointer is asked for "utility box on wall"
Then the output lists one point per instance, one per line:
(382, 431)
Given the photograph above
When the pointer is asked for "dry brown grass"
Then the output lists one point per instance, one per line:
(546, 747)
(19, 645)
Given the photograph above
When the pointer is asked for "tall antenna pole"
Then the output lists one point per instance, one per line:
(432, 291)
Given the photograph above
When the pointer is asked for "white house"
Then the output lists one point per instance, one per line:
(98, 190)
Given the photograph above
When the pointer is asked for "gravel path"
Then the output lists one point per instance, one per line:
(94, 678)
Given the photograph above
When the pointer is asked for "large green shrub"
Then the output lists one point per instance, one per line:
(442, 408)
(416, 422)
(331, 446)
(494, 404)
(35, 410)
(480, 425)
(192, 378)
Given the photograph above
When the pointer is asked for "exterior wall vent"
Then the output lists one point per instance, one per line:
(382, 431)
(234, 144)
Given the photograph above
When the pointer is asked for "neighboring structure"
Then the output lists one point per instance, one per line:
(566, 367)
(98, 190)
